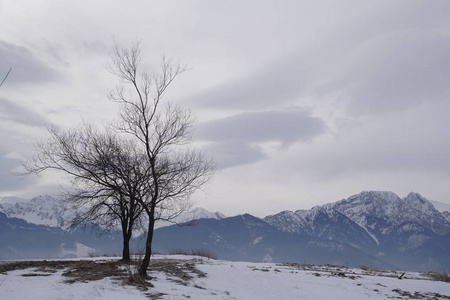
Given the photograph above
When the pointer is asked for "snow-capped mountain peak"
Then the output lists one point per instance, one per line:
(11, 200)
(48, 210)
(369, 219)
(40, 210)
(391, 209)
(189, 216)
(288, 221)
(201, 213)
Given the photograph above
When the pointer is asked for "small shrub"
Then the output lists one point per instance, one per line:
(196, 252)
(445, 277)
(35, 274)
(135, 280)
(178, 251)
(85, 271)
(339, 274)
(21, 265)
(203, 253)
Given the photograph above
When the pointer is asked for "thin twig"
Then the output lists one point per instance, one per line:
(5, 76)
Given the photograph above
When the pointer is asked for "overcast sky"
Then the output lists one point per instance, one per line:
(301, 103)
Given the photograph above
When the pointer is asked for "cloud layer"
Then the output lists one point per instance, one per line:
(26, 67)
(304, 102)
(238, 139)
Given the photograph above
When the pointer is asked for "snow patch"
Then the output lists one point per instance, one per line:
(79, 251)
(373, 236)
(257, 240)
(231, 280)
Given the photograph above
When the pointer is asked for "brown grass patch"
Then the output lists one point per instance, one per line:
(125, 273)
(35, 274)
(445, 277)
(177, 271)
(41, 265)
(197, 252)
(84, 271)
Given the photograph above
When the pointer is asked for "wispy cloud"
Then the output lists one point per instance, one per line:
(282, 126)
(18, 114)
(26, 67)
(234, 137)
(348, 94)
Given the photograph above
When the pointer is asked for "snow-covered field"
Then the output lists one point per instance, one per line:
(187, 277)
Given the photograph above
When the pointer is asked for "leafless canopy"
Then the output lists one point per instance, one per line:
(163, 134)
(141, 166)
(106, 173)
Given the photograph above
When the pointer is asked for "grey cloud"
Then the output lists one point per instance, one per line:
(230, 154)
(26, 67)
(17, 143)
(9, 181)
(282, 126)
(389, 58)
(415, 142)
(278, 82)
(234, 139)
(392, 60)
(398, 71)
(16, 113)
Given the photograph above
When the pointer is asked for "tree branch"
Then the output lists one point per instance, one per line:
(6, 76)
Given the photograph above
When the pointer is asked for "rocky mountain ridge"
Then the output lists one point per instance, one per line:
(378, 229)
(382, 217)
(40, 210)
(49, 211)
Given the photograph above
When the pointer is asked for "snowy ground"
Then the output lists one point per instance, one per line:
(182, 277)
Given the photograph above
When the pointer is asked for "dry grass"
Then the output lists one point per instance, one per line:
(42, 266)
(125, 273)
(84, 271)
(445, 277)
(176, 270)
(35, 274)
(418, 295)
(196, 252)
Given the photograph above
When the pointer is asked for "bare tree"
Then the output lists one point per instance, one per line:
(106, 173)
(163, 134)
(6, 76)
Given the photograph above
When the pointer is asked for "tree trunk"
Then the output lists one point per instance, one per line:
(126, 234)
(127, 230)
(126, 248)
(148, 249)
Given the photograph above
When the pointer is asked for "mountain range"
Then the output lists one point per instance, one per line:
(408, 233)
(377, 229)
